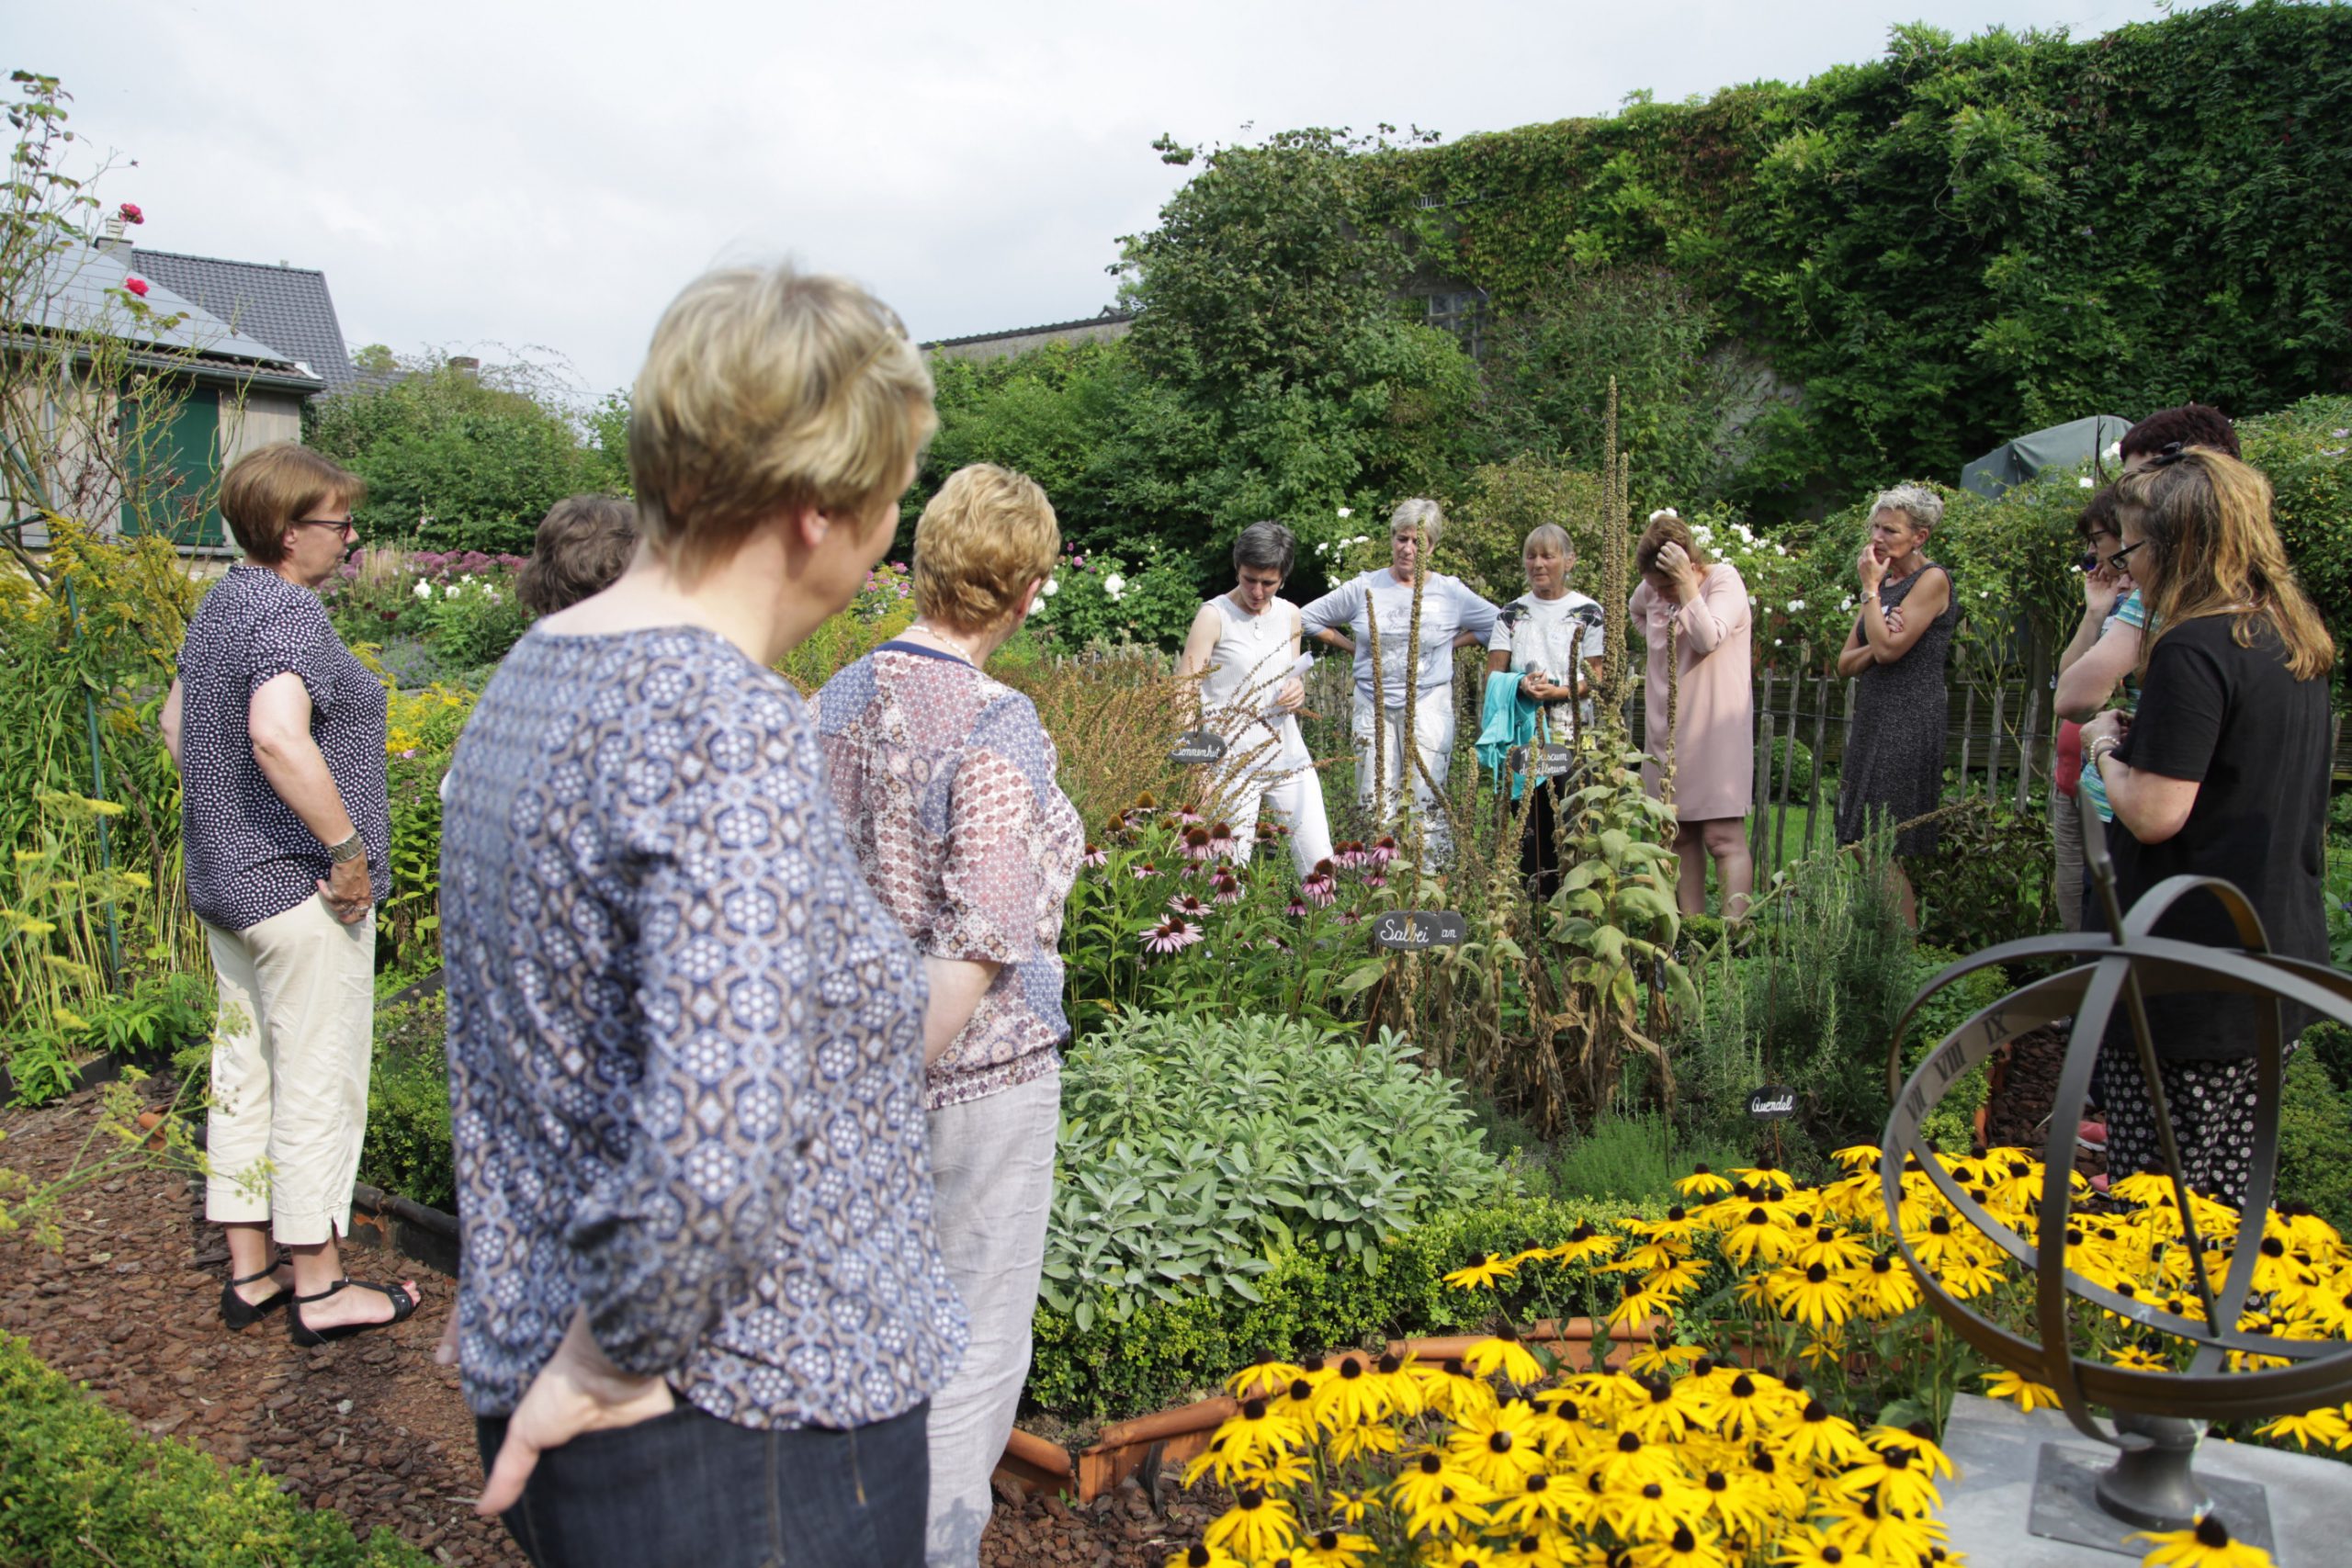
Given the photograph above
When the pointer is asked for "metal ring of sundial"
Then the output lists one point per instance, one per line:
(2128, 970)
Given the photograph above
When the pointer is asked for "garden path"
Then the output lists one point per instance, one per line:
(369, 1425)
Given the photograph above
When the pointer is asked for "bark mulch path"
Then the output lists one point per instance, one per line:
(370, 1425)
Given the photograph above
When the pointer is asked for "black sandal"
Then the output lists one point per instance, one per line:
(403, 1308)
(238, 1313)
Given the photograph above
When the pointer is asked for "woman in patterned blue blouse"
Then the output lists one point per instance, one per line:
(703, 1310)
(278, 735)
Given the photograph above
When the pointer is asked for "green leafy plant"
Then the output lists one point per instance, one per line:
(1989, 881)
(407, 1148)
(1196, 1151)
(2315, 1141)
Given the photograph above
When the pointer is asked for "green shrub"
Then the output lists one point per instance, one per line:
(80, 1487)
(1195, 1151)
(1951, 1125)
(1170, 1350)
(1632, 1158)
(1990, 878)
(407, 1147)
(2315, 1142)
(2330, 1045)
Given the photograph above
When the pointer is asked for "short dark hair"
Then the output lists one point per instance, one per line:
(266, 491)
(2191, 424)
(584, 543)
(1265, 545)
(1667, 527)
(2098, 514)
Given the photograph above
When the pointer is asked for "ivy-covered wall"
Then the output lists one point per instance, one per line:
(1963, 240)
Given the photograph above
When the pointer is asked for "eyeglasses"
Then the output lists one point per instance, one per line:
(2116, 561)
(343, 525)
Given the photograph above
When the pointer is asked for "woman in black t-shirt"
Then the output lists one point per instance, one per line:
(2223, 771)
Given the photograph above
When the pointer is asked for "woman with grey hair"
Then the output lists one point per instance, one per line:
(1452, 616)
(1549, 636)
(1893, 769)
(1244, 650)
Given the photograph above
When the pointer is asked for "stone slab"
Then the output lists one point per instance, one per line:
(1989, 1505)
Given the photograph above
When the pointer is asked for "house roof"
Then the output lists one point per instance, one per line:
(77, 294)
(287, 306)
(1107, 319)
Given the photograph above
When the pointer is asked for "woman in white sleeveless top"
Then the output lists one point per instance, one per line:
(1244, 648)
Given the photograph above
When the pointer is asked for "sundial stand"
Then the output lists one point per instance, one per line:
(2151, 1488)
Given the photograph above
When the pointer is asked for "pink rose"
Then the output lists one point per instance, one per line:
(131, 213)
(137, 285)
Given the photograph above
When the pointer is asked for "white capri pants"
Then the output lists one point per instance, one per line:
(289, 1071)
(992, 1181)
(1297, 803)
(1433, 723)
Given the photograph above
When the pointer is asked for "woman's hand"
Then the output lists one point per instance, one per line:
(2113, 725)
(2102, 590)
(578, 1391)
(1291, 695)
(1674, 563)
(348, 891)
(1870, 568)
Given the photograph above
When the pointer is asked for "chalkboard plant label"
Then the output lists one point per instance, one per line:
(1198, 746)
(1548, 760)
(1773, 1102)
(1409, 931)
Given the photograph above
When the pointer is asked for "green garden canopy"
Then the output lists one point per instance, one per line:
(2060, 447)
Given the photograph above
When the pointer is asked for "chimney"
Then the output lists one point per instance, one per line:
(465, 364)
(112, 242)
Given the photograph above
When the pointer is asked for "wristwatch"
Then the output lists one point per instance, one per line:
(351, 849)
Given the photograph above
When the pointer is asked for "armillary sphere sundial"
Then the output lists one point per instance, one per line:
(2159, 1416)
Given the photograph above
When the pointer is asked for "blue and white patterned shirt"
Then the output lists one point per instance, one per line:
(685, 1046)
(249, 856)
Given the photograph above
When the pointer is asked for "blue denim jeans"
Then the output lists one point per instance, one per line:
(687, 1490)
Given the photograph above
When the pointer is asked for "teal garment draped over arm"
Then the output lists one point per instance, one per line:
(1506, 719)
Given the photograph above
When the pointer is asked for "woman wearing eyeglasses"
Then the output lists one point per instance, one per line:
(2096, 665)
(2223, 771)
(278, 735)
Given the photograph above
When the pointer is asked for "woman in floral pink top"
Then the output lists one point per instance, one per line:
(944, 780)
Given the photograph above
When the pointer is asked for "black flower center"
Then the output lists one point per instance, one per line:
(1499, 1442)
(2210, 1535)
(1255, 1410)
(1817, 1275)
(1629, 1442)
(1431, 1464)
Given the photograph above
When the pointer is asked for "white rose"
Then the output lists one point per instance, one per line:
(424, 590)
(1847, 602)
(1796, 607)
(2085, 482)
(1114, 585)
(1347, 512)
(451, 590)
(1053, 586)
(1779, 548)
(1361, 539)
(1321, 547)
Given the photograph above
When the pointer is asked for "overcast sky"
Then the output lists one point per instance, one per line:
(505, 174)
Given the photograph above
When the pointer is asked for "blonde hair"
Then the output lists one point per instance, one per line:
(766, 389)
(2205, 518)
(986, 537)
(1552, 536)
(266, 491)
(1419, 511)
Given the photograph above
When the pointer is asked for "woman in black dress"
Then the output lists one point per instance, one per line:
(1893, 769)
(2221, 770)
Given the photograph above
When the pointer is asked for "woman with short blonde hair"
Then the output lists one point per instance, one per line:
(278, 735)
(945, 781)
(683, 1034)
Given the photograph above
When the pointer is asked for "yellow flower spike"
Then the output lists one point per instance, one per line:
(2207, 1544)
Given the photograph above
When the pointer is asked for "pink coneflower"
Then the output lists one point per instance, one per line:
(1221, 839)
(1349, 853)
(1295, 909)
(1171, 935)
(1143, 870)
(1188, 905)
(1374, 879)
(1320, 885)
(1382, 852)
(1270, 828)
(1095, 855)
(1227, 887)
(1198, 843)
(1187, 815)
(1350, 917)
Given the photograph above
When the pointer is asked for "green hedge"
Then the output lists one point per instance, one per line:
(407, 1147)
(1166, 1352)
(80, 1487)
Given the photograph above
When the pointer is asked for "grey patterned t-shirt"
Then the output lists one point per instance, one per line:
(685, 1046)
(249, 856)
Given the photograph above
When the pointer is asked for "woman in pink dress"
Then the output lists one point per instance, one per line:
(1700, 610)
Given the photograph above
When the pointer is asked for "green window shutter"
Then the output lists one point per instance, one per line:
(173, 468)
